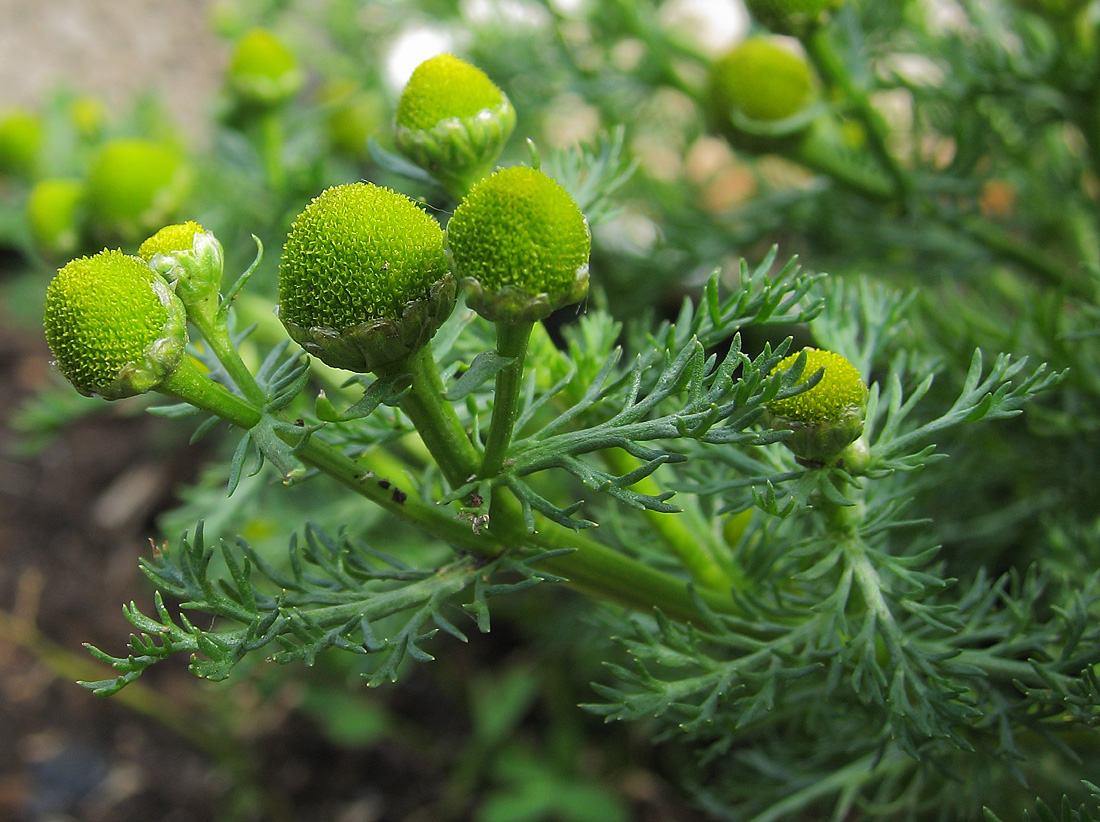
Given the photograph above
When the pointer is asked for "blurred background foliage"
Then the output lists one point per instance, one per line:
(955, 155)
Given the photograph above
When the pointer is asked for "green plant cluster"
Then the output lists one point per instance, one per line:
(839, 532)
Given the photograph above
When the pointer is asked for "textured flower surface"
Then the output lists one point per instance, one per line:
(520, 232)
(358, 252)
(840, 390)
(177, 237)
(443, 87)
(113, 325)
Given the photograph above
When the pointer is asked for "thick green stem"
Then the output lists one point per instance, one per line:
(511, 344)
(435, 420)
(694, 546)
(221, 344)
(590, 566)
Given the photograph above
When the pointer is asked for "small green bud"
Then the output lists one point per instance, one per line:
(452, 121)
(263, 71)
(55, 215)
(113, 325)
(519, 245)
(88, 114)
(191, 260)
(134, 186)
(761, 94)
(364, 280)
(827, 417)
(20, 142)
(791, 16)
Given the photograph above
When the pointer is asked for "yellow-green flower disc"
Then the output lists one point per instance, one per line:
(443, 87)
(840, 391)
(762, 80)
(170, 239)
(113, 325)
(519, 232)
(358, 252)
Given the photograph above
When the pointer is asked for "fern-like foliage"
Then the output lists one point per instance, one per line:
(334, 594)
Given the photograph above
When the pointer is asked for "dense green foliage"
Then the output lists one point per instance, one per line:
(904, 626)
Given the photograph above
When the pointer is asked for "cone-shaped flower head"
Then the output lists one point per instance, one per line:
(54, 212)
(262, 70)
(134, 186)
(113, 325)
(191, 260)
(452, 121)
(827, 417)
(364, 280)
(519, 245)
(790, 16)
(20, 141)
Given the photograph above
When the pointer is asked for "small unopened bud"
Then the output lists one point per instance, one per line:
(452, 121)
(113, 325)
(263, 71)
(191, 260)
(519, 245)
(827, 417)
(20, 142)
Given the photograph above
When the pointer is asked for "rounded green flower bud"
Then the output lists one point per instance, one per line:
(827, 417)
(761, 94)
(191, 260)
(790, 16)
(519, 245)
(452, 121)
(263, 71)
(134, 186)
(20, 142)
(55, 215)
(364, 281)
(88, 114)
(352, 116)
(113, 325)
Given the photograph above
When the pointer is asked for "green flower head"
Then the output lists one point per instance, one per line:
(364, 280)
(452, 121)
(790, 16)
(824, 419)
(520, 246)
(133, 186)
(113, 325)
(262, 70)
(55, 214)
(20, 141)
(762, 80)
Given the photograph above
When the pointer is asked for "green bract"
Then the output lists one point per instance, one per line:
(790, 15)
(263, 71)
(134, 186)
(364, 280)
(520, 245)
(452, 121)
(113, 325)
(827, 417)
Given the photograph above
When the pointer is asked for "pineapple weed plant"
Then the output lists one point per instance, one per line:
(788, 604)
